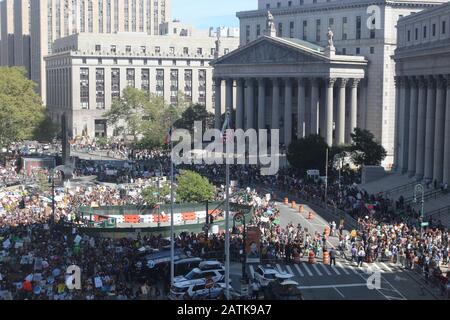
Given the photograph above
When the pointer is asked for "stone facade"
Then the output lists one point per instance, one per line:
(350, 21)
(423, 104)
(86, 72)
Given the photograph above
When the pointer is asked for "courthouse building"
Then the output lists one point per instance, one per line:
(290, 67)
(423, 103)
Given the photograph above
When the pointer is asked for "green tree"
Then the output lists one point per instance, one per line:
(308, 153)
(21, 109)
(47, 130)
(196, 112)
(42, 182)
(152, 195)
(365, 149)
(193, 188)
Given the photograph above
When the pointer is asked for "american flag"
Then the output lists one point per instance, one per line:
(227, 132)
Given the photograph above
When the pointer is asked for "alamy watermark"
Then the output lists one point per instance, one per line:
(230, 147)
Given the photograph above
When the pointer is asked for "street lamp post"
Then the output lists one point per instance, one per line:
(420, 188)
(240, 217)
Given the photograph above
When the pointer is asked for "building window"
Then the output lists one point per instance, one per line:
(202, 87)
(372, 50)
(318, 30)
(258, 30)
(373, 29)
(434, 30)
(115, 83)
(280, 29)
(143, 49)
(358, 50)
(157, 50)
(128, 49)
(145, 80)
(305, 30)
(98, 48)
(358, 27)
(424, 32)
(174, 86)
(409, 35)
(100, 88)
(200, 51)
(291, 29)
(131, 81)
(84, 88)
(160, 82)
(344, 28)
(443, 27)
(188, 85)
(172, 50)
(417, 34)
(289, 3)
(185, 50)
(100, 128)
(247, 34)
(113, 49)
(344, 51)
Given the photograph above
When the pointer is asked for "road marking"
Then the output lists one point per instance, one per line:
(252, 271)
(343, 268)
(386, 266)
(279, 268)
(326, 269)
(307, 269)
(377, 267)
(335, 270)
(334, 286)
(317, 269)
(299, 270)
(289, 270)
(342, 295)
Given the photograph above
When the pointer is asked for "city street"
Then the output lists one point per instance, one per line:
(345, 280)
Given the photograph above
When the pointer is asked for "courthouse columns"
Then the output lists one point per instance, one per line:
(439, 131)
(287, 112)
(329, 112)
(314, 106)
(401, 163)
(261, 104)
(421, 127)
(229, 97)
(446, 178)
(353, 108)
(275, 104)
(218, 100)
(240, 104)
(412, 128)
(429, 130)
(250, 99)
(340, 127)
(301, 109)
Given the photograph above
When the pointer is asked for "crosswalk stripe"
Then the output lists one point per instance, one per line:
(289, 270)
(343, 268)
(354, 269)
(325, 267)
(376, 267)
(252, 271)
(317, 269)
(335, 270)
(299, 270)
(386, 266)
(307, 269)
(279, 268)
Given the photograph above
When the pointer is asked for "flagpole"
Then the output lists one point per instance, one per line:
(227, 216)
(172, 238)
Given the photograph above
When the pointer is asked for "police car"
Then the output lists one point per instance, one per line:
(268, 274)
(198, 275)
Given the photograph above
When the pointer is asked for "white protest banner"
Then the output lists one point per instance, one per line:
(77, 239)
(98, 282)
(6, 244)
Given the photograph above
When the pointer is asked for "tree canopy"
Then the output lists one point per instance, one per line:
(21, 109)
(193, 188)
(196, 112)
(144, 116)
(152, 195)
(308, 153)
(365, 150)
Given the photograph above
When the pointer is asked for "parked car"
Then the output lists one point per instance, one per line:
(210, 265)
(183, 266)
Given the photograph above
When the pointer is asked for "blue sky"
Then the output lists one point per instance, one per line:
(211, 13)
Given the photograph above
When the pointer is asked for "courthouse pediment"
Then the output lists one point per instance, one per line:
(268, 50)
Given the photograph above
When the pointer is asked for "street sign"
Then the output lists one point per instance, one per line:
(151, 264)
(425, 224)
